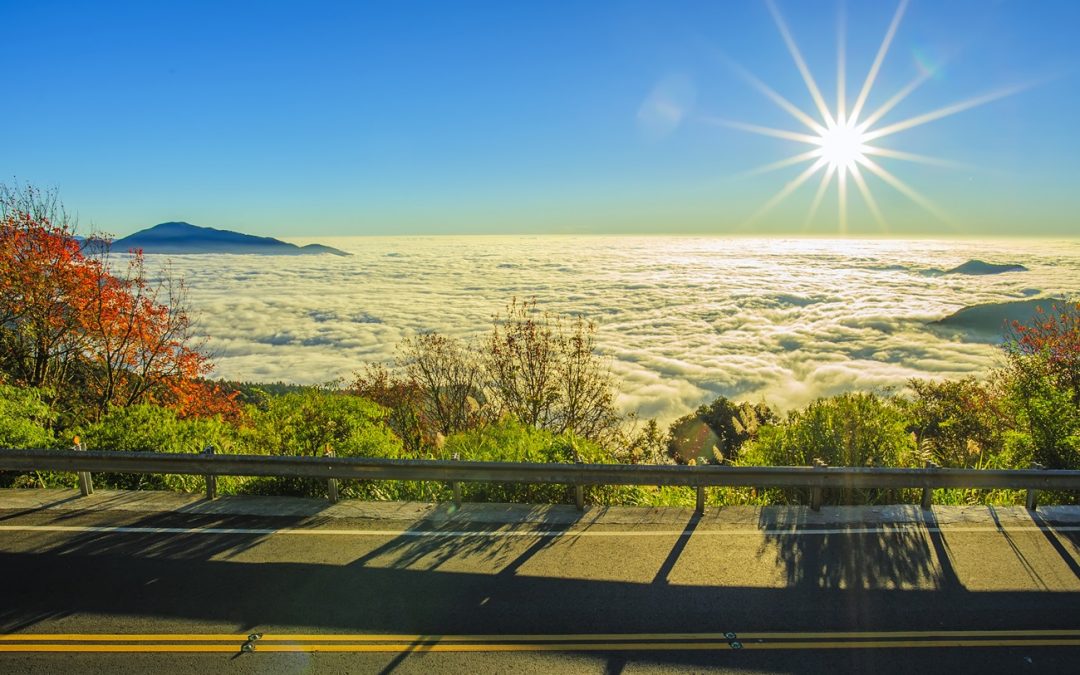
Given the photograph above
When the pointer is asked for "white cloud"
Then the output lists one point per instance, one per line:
(683, 319)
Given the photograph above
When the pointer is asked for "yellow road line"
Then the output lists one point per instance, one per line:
(907, 634)
(564, 637)
(539, 647)
(885, 644)
(121, 637)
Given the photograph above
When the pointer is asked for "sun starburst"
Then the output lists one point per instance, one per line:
(841, 138)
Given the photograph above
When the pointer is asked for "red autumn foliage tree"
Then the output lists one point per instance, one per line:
(404, 398)
(1052, 339)
(96, 337)
(200, 398)
(44, 289)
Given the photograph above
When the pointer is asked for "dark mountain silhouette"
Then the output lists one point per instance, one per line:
(990, 320)
(180, 238)
(981, 267)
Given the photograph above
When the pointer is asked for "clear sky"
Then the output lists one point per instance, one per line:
(313, 118)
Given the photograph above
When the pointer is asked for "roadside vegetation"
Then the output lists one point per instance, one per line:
(95, 346)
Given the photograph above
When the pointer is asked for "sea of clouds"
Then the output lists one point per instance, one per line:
(683, 319)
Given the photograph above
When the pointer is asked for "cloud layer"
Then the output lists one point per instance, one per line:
(683, 319)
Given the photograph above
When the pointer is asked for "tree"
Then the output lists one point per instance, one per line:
(94, 336)
(648, 445)
(45, 287)
(855, 429)
(140, 344)
(717, 431)
(548, 375)
(448, 376)
(1050, 344)
(1042, 376)
(404, 400)
(957, 423)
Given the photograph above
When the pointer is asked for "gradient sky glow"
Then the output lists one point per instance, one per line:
(302, 119)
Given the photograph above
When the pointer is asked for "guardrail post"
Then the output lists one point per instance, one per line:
(86, 483)
(928, 493)
(456, 486)
(579, 489)
(211, 479)
(699, 508)
(815, 491)
(331, 483)
(1032, 501)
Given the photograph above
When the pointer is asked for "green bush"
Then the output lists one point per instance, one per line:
(1048, 416)
(151, 428)
(306, 423)
(716, 432)
(511, 441)
(846, 430)
(25, 423)
(958, 423)
(25, 418)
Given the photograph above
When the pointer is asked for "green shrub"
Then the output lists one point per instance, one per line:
(25, 418)
(511, 441)
(846, 430)
(716, 432)
(25, 423)
(958, 423)
(151, 428)
(306, 423)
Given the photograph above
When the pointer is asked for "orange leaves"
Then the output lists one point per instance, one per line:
(199, 398)
(97, 335)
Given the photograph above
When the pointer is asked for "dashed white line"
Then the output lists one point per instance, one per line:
(536, 533)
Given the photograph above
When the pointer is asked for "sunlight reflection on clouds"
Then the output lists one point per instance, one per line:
(684, 319)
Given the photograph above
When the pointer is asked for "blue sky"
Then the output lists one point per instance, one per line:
(304, 119)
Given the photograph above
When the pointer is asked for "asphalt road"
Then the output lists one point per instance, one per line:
(91, 587)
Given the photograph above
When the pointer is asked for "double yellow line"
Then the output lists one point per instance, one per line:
(600, 642)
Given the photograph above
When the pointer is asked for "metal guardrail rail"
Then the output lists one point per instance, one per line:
(578, 475)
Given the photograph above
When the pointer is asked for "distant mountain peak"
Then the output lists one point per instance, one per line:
(179, 237)
(981, 267)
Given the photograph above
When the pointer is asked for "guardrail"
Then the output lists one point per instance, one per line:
(817, 477)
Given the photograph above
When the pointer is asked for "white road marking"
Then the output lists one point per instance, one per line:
(733, 532)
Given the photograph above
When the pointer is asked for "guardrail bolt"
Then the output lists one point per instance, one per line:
(211, 479)
(86, 483)
(927, 492)
(1032, 501)
(815, 491)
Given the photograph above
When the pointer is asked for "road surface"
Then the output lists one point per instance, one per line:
(143, 582)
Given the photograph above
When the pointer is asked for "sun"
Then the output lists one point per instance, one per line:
(842, 138)
(843, 147)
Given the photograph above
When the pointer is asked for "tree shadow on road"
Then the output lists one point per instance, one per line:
(430, 544)
(853, 556)
(1055, 537)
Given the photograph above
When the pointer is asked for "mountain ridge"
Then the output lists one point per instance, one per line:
(179, 237)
